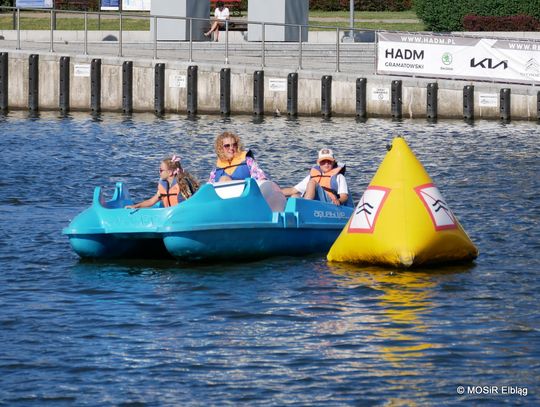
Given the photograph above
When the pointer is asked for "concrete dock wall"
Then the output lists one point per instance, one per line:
(378, 96)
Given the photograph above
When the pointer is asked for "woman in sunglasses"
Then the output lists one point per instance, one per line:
(233, 162)
(325, 182)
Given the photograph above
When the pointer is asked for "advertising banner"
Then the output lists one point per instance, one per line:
(454, 57)
(110, 4)
(34, 3)
(136, 5)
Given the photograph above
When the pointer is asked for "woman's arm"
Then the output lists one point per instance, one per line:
(254, 170)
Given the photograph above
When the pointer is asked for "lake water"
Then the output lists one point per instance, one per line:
(283, 331)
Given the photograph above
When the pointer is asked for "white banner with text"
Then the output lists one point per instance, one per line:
(453, 57)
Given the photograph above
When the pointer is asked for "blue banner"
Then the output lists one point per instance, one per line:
(34, 3)
(110, 4)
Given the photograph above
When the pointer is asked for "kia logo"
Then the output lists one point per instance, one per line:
(487, 63)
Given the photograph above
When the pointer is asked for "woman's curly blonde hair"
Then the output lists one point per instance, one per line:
(218, 144)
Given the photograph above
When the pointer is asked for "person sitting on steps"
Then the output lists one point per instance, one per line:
(221, 14)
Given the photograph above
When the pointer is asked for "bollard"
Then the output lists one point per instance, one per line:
(431, 102)
(258, 93)
(361, 102)
(192, 78)
(33, 83)
(225, 91)
(396, 102)
(504, 104)
(3, 81)
(127, 87)
(95, 85)
(63, 94)
(326, 95)
(159, 89)
(538, 105)
(292, 94)
(468, 102)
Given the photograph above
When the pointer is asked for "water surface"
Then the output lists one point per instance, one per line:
(282, 331)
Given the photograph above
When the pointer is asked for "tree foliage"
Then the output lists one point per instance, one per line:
(447, 15)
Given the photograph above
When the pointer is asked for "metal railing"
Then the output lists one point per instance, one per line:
(328, 56)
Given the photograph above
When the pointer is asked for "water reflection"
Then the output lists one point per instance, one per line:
(403, 302)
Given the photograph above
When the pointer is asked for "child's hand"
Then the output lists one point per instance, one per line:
(335, 201)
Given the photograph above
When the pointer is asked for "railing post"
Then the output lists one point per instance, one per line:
(337, 49)
(299, 47)
(190, 22)
(263, 44)
(120, 36)
(85, 33)
(155, 36)
(226, 42)
(18, 28)
(51, 46)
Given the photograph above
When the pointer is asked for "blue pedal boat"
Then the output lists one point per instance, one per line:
(230, 220)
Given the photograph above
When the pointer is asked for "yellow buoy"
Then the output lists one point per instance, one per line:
(402, 219)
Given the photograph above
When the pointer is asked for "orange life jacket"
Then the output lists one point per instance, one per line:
(168, 194)
(328, 180)
(237, 169)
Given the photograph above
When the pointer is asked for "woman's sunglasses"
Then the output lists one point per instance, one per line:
(235, 145)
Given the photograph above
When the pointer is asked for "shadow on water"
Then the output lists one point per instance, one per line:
(258, 119)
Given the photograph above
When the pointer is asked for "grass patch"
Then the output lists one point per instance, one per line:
(109, 22)
(365, 15)
(72, 23)
(411, 27)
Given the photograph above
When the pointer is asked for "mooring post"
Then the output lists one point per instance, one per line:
(33, 83)
(159, 89)
(225, 91)
(192, 83)
(95, 85)
(4, 81)
(63, 94)
(468, 102)
(432, 100)
(326, 95)
(258, 93)
(292, 94)
(127, 87)
(361, 101)
(504, 104)
(396, 102)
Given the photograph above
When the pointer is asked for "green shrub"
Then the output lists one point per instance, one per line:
(447, 15)
(362, 5)
(520, 22)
